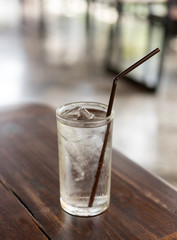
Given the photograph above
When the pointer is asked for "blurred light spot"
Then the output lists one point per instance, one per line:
(9, 12)
(10, 83)
(104, 13)
(68, 8)
(159, 10)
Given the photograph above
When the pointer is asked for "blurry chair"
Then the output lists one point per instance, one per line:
(171, 18)
(157, 18)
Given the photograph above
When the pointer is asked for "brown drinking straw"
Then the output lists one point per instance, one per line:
(111, 100)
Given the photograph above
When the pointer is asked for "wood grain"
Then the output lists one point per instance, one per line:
(16, 222)
(142, 206)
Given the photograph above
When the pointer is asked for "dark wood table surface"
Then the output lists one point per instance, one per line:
(142, 206)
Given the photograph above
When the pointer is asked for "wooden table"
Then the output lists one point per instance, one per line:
(142, 206)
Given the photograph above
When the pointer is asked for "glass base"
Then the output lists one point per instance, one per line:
(83, 211)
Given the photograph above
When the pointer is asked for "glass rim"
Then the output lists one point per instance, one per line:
(84, 123)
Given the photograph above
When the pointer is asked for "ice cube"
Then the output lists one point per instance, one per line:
(78, 113)
(84, 114)
(71, 113)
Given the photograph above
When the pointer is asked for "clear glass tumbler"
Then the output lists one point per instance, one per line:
(80, 142)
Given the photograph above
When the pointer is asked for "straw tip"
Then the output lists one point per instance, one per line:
(157, 50)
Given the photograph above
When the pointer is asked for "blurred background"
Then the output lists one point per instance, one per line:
(58, 51)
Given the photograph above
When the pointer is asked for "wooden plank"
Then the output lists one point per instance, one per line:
(142, 207)
(149, 185)
(15, 220)
(23, 111)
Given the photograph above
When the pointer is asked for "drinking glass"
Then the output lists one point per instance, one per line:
(81, 129)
